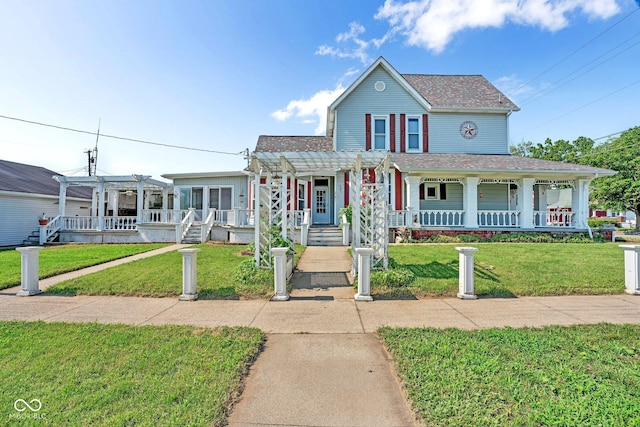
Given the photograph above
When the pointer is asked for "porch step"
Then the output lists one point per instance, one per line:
(193, 234)
(33, 239)
(326, 236)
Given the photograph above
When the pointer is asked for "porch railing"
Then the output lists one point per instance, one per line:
(52, 227)
(499, 218)
(185, 224)
(441, 218)
(554, 219)
(79, 223)
(119, 223)
(397, 218)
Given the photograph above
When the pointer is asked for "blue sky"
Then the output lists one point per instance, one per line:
(214, 75)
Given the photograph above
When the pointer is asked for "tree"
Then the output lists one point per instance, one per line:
(559, 151)
(621, 191)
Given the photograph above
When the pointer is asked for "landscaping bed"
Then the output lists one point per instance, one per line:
(92, 374)
(585, 375)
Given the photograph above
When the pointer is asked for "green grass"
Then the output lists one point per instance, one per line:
(587, 375)
(161, 276)
(508, 269)
(54, 260)
(92, 374)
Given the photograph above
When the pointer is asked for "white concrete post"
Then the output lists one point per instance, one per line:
(364, 274)
(631, 269)
(304, 227)
(189, 274)
(413, 202)
(465, 277)
(62, 199)
(470, 202)
(29, 271)
(345, 231)
(280, 274)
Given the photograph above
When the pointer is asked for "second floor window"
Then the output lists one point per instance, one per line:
(413, 133)
(380, 133)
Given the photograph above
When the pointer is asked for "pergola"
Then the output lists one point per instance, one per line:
(274, 225)
(134, 183)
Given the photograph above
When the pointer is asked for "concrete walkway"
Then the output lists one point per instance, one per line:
(322, 365)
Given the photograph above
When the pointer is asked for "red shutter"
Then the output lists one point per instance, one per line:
(367, 131)
(421, 187)
(347, 188)
(309, 194)
(372, 175)
(425, 133)
(295, 194)
(403, 134)
(392, 132)
(399, 187)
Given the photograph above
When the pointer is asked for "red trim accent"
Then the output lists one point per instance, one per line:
(399, 187)
(392, 132)
(421, 188)
(295, 194)
(347, 188)
(372, 175)
(403, 133)
(309, 194)
(367, 132)
(263, 180)
(425, 133)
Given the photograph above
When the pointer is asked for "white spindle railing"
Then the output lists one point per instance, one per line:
(79, 223)
(441, 218)
(156, 216)
(119, 223)
(499, 218)
(554, 219)
(396, 218)
(183, 227)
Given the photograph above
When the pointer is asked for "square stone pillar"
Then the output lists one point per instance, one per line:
(413, 200)
(465, 276)
(525, 203)
(189, 274)
(631, 269)
(29, 282)
(280, 274)
(470, 202)
(364, 274)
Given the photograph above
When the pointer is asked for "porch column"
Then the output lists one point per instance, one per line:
(94, 201)
(63, 199)
(413, 200)
(285, 206)
(525, 202)
(139, 202)
(176, 206)
(540, 205)
(99, 226)
(580, 202)
(165, 204)
(205, 203)
(470, 201)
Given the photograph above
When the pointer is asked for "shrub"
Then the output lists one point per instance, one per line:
(252, 281)
(394, 278)
(598, 222)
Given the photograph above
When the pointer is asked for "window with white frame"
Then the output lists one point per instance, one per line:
(414, 138)
(380, 133)
(302, 192)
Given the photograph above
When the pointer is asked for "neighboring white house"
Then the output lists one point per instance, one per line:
(26, 192)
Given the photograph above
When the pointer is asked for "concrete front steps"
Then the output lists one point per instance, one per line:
(324, 236)
(193, 234)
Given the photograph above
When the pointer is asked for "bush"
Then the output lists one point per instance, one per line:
(598, 222)
(251, 281)
(394, 278)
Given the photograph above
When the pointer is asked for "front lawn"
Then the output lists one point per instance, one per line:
(92, 374)
(585, 375)
(508, 269)
(161, 276)
(54, 260)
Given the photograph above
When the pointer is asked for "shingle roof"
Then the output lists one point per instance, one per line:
(487, 162)
(459, 91)
(21, 178)
(270, 144)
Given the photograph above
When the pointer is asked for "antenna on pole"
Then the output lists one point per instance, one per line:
(92, 155)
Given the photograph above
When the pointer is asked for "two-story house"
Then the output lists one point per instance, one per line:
(446, 142)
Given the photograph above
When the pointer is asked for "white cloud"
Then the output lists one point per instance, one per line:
(311, 110)
(347, 39)
(514, 87)
(432, 24)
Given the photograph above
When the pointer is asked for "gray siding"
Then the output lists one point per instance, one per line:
(350, 123)
(239, 184)
(444, 134)
(19, 214)
(453, 201)
(494, 197)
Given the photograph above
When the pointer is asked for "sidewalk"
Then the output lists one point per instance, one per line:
(322, 363)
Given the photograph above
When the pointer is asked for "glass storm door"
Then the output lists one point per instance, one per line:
(321, 206)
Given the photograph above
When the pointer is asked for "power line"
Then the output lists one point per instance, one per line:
(583, 106)
(575, 51)
(122, 138)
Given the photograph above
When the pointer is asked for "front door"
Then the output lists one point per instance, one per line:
(321, 205)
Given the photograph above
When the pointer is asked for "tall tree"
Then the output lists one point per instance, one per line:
(560, 150)
(621, 191)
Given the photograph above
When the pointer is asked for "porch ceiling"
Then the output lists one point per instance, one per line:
(309, 163)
